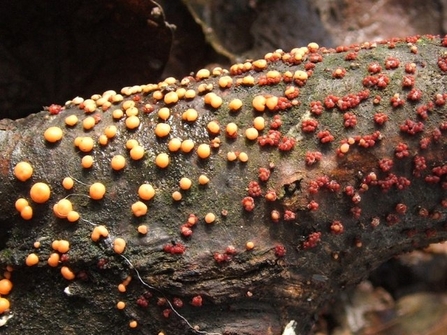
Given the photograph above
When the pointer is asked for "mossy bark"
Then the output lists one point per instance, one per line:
(249, 292)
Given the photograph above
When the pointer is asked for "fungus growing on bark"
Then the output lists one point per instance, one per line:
(311, 164)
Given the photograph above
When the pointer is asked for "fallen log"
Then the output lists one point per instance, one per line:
(226, 202)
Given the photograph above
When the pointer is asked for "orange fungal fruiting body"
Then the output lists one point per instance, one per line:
(67, 273)
(5, 286)
(40, 192)
(31, 259)
(23, 171)
(118, 162)
(53, 134)
(146, 191)
(98, 232)
(119, 245)
(139, 208)
(162, 160)
(4, 305)
(97, 191)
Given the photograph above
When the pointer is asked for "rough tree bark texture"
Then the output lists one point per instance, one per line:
(349, 171)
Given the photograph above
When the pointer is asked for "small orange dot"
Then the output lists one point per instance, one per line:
(23, 171)
(53, 134)
(250, 245)
(32, 259)
(118, 162)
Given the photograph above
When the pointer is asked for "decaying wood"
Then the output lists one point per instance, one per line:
(332, 221)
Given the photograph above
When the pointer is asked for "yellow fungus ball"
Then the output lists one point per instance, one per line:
(190, 115)
(190, 94)
(203, 180)
(131, 143)
(170, 98)
(185, 183)
(53, 259)
(97, 191)
(210, 218)
(204, 150)
(127, 280)
(118, 162)
(133, 324)
(271, 102)
(120, 305)
(231, 156)
(98, 232)
(61, 246)
(89, 122)
(235, 105)
(137, 152)
(203, 74)
(260, 64)
(162, 129)
(20, 204)
(146, 191)
(117, 114)
(68, 183)
(62, 208)
(119, 245)
(243, 157)
(122, 288)
(259, 123)
(132, 111)
(67, 273)
(213, 127)
(187, 145)
(313, 47)
(225, 81)
(164, 113)
(174, 144)
(32, 259)
(71, 120)
(259, 103)
(132, 122)
(53, 134)
(249, 245)
(162, 160)
(143, 229)
(128, 104)
(5, 286)
(23, 171)
(251, 133)
(110, 131)
(36, 244)
(86, 144)
(300, 75)
(4, 305)
(73, 216)
(139, 208)
(177, 196)
(231, 129)
(27, 213)
(216, 102)
(40, 193)
(87, 161)
(180, 92)
(248, 80)
(103, 140)
(344, 148)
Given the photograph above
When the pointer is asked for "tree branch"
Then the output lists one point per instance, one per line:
(354, 146)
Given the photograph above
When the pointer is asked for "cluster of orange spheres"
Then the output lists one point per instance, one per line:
(5, 288)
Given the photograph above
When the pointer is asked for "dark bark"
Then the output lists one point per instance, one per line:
(251, 292)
